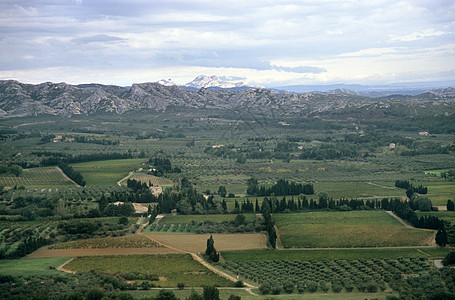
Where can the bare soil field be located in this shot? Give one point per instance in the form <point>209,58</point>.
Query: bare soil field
<point>98,252</point>
<point>223,242</point>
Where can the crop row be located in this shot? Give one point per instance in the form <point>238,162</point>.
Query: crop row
<point>344,271</point>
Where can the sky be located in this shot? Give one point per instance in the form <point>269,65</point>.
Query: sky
<point>269,43</point>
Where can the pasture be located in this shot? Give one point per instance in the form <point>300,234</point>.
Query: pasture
<point>223,242</point>
<point>44,177</point>
<point>169,268</point>
<point>107,172</point>
<point>31,266</point>
<point>346,230</point>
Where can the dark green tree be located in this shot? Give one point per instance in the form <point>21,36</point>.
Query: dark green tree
<point>211,293</point>
<point>222,191</point>
<point>194,296</point>
<point>211,251</point>
<point>450,205</point>
<point>166,295</point>
<point>94,294</point>
<point>449,259</point>
<point>441,237</point>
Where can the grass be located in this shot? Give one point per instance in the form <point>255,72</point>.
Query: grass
<point>346,229</point>
<point>47,177</point>
<point>31,266</point>
<point>171,268</point>
<point>107,172</point>
<point>331,254</point>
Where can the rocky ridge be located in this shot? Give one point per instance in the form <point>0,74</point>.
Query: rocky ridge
<point>20,100</point>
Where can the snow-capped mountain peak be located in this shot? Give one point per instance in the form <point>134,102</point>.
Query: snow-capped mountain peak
<point>203,81</point>
<point>166,82</point>
<point>213,81</point>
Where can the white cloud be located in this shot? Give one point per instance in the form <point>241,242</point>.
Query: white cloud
<point>311,40</point>
<point>417,35</point>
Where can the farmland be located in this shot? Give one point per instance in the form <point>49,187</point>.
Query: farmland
<point>45,177</point>
<point>107,173</point>
<point>31,266</point>
<point>151,180</point>
<point>129,241</point>
<point>333,245</point>
<point>164,270</point>
<point>347,229</point>
<point>223,242</point>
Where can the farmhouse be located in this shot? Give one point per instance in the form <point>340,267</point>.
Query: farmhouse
<point>156,190</point>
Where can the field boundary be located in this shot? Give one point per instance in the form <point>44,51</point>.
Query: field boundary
<point>66,177</point>
<point>62,267</point>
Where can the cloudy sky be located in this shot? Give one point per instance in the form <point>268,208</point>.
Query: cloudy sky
<point>270,43</point>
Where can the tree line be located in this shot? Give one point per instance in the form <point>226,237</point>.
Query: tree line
<point>281,188</point>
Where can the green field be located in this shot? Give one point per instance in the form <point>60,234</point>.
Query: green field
<point>171,268</point>
<point>31,266</point>
<point>177,219</point>
<point>346,229</point>
<point>42,177</point>
<point>334,254</point>
<point>338,190</point>
<point>107,172</point>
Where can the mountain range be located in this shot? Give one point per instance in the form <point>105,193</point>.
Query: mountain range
<point>20,99</point>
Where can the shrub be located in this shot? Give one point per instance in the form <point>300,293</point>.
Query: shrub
<point>265,288</point>
<point>336,288</point>
<point>276,289</point>
<point>312,286</point>
<point>288,287</point>
<point>239,284</point>
<point>324,287</point>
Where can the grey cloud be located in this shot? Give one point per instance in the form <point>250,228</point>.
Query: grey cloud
<point>100,38</point>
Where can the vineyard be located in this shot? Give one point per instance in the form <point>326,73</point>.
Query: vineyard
<point>159,270</point>
<point>129,241</point>
<point>309,276</point>
<point>347,229</point>
<point>151,180</point>
<point>75,194</point>
<point>107,172</point>
<point>46,177</point>
<point>21,238</point>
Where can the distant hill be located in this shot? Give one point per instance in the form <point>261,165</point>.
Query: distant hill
<point>20,100</point>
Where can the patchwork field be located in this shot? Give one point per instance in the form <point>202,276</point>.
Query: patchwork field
<point>37,177</point>
<point>170,269</point>
<point>347,229</point>
<point>107,172</point>
<point>223,242</point>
